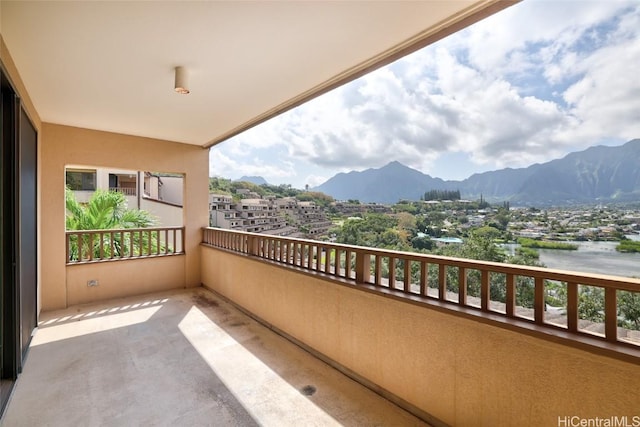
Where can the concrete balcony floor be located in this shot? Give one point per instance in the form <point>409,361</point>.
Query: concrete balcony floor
<point>183,358</point>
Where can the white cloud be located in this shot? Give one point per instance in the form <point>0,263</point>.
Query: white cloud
<point>495,44</point>
<point>223,165</point>
<point>315,180</point>
<point>526,85</point>
<point>607,97</point>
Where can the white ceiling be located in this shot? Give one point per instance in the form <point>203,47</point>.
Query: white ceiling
<point>109,65</point>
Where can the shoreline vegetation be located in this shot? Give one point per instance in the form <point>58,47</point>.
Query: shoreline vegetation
<point>628,246</point>
<point>543,244</point>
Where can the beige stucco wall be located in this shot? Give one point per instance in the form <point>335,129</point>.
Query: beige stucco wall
<point>64,145</point>
<point>16,80</point>
<point>124,278</point>
<point>172,188</point>
<point>458,370</point>
<point>167,215</point>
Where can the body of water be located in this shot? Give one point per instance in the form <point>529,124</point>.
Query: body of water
<point>591,257</point>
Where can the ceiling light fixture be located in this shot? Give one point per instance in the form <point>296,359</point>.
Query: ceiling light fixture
<point>181,81</point>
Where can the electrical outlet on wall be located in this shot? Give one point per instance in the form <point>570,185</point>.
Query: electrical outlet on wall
<point>93,282</point>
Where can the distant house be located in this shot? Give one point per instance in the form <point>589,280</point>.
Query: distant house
<point>284,217</point>
<point>447,240</point>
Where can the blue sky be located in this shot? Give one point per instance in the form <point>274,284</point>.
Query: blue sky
<point>530,84</point>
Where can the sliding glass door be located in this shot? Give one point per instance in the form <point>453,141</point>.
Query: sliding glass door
<point>18,240</point>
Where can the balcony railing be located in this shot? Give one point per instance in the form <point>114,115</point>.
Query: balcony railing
<point>127,191</point>
<point>511,292</point>
<point>83,246</point>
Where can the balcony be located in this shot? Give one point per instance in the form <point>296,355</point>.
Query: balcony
<point>127,191</point>
<point>184,357</point>
<point>450,357</point>
<point>440,351</point>
<point>234,350</point>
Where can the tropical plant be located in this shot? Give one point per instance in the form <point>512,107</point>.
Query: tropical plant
<point>107,210</point>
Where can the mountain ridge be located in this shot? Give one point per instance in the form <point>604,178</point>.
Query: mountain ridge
<point>596,174</point>
<point>258,180</point>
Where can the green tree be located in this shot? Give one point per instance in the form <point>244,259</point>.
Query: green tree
<point>373,230</point>
<point>107,210</point>
<point>422,243</point>
<point>219,185</point>
<point>320,199</point>
<point>488,232</point>
<point>591,303</point>
<point>501,220</point>
<point>629,309</point>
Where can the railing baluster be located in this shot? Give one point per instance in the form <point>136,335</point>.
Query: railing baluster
<point>407,275</point>
<point>327,260</point>
<point>90,235</point>
<point>424,277</point>
<point>102,245</point>
<point>485,293</point>
<point>510,300</point>
<point>572,306</point>
<point>288,251</point>
<point>295,256</point>
<point>442,282</point>
<point>378,270</point>
<point>166,241</point>
<point>111,244</point>
<point>175,241</point>
<point>363,267</point>
<point>610,315</point>
<point>301,255</point>
<point>462,286</point>
<point>347,264</point>
<point>67,247</point>
<point>318,258</point>
<point>392,273</point>
<point>538,301</point>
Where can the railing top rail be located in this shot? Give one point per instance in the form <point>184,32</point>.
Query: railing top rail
<point>603,280</point>
<point>108,230</point>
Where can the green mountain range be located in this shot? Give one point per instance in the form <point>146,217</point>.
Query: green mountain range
<point>596,175</point>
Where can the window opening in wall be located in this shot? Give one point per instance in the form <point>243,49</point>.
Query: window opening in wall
<point>156,195</point>
<point>81,180</point>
